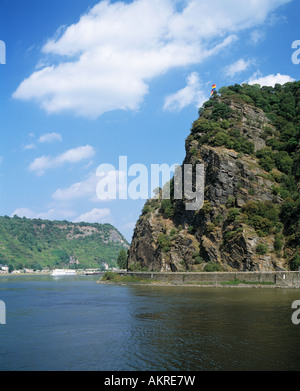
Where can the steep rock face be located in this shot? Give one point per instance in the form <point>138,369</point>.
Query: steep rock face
<point>220,233</point>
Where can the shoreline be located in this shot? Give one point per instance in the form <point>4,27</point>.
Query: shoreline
<point>165,284</point>
<point>280,279</point>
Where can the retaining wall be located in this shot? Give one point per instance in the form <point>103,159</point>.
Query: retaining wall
<point>282,278</point>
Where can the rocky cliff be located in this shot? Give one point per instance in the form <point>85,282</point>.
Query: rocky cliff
<point>240,225</point>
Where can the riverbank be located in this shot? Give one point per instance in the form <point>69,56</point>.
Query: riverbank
<point>49,273</point>
<point>282,279</point>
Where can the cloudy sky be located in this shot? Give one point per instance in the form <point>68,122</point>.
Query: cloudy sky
<point>87,82</point>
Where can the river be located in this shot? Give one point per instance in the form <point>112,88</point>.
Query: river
<point>75,324</point>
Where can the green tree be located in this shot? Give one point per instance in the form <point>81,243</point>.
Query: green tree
<point>122,259</point>
<point>10,268</point>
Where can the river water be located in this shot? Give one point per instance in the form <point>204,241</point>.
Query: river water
<point>75,324</point>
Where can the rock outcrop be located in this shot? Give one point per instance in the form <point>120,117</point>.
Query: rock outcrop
<point>223,234</point>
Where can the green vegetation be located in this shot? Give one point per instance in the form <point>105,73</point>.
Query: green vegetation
<point>164,242</point>
<point>295,263</point>
<point>127,279</point>
<point>212,267</point>
<point>122,259</point>
<point>278,243</point>
<point>217,128</point>
<point>220,126</point>
<point>263,216</point>
<point>118,279</point>
<point>262,249</point>
<point>38,244</point>
<point>167,208</point>
<point>206,208</point>
<point>238,282</point>
<point>197,258</point>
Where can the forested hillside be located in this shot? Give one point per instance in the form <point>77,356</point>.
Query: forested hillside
<point>41,244</point>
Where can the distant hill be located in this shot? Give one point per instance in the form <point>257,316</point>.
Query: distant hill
<point>36,243</point>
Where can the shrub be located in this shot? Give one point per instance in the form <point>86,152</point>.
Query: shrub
<point>198,260</point>
<point>262,249</point>
<point>164,242</point>
<point>278,243</point>
<point>191,229</point>
<point>233,213</point>
<point>230,203</point>
<point>212,267</point>
<point>108,276</point>
<point>221,110</point>
<point>206,207</point>
<point>261,215</point>
<point>218,219</point>
<point>266,159</point>
<point>283,162</point>
<point>167,208</point>
<point>210,227</point>
<point>173,232</point>
<point>295,263</point>
<point>146,209</point>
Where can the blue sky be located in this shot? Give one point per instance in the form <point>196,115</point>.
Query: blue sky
<point>87,81</point>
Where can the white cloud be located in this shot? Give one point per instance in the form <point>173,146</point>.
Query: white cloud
<point>83,189</point>
<point>94,216</point>
<point>29,146</point>
<point>41,164</point>
<point>237,67</point>
<point>87,188</point>
<point>50,138</point>
<point>270,80</point>
<point>117,48</point>
<point>190,94</point>
<point>257,36</point>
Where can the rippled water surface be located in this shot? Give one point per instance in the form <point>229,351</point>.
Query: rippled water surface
<point>75,324</point>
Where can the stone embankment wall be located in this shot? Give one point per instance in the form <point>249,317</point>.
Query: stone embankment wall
<point>280,279</point>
